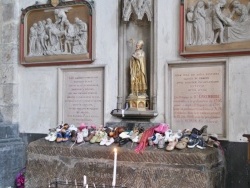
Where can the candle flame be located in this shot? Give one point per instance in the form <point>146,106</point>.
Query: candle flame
<point>115,150</point>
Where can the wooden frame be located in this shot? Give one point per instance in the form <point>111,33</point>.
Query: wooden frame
<point>72,49</point>
<point>229,47</point>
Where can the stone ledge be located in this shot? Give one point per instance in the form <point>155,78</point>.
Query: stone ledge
<point>154,168</point>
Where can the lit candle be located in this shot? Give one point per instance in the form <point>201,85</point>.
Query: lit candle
<point>114,171</point>
<point>75,183</point>
<point>84,180</point>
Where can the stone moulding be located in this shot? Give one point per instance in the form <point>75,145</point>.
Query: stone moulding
<point>59,35</point>
<point>138,8</point>
<point>204,34</point>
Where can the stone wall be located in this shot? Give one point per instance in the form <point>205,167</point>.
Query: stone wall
<point>12,157</point>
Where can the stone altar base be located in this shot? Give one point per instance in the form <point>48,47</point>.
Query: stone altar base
<point>155,168</point>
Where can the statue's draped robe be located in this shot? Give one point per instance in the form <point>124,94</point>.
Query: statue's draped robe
<point>138,73</point>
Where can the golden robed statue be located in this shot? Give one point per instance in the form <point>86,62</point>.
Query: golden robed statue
<point>138,70</point>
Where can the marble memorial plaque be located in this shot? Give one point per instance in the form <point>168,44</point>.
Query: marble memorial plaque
<point>198,97</point>
<point>81,97</point>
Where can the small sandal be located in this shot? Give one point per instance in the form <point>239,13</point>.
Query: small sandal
<point>210,142</point>
<point>172,145</point>
<point>91,135</point>
<point>182,143</point>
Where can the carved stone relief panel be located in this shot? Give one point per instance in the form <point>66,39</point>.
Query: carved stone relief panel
<point>218,26</point>
<point>57,34</point>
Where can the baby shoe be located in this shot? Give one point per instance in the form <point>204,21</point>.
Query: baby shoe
<point>150,141</point>
<point>66,136</point>
<point>157,137</point>
<point>124,135</point>
<point>89,137</point>
<point>104,140</point>
<point>72,128</point>
<point>110,141</point>
<point>171,145</point>
<point>59,137</point>
<point>182,143</point>
<point>162,128</point>
<point>99,136</point>
<point>52,136</point>
<point>49,134</point>
<point>161,143</point>
<point>167,134</point>
<point>79,137</point>
<point>73,135</point>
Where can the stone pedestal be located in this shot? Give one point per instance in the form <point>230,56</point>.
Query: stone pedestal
<point>154,168</point>
<point>138,102</point>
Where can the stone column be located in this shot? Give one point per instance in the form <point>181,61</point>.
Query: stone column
<point>11,146</point>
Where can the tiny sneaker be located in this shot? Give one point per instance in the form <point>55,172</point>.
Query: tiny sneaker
<point>52,136</point>
<point>161,143</point>
<point>79,137</point>
<point>193,140</point>
<point>201,144</point>
<point>72,128</point>
<point>110,141</point>
<point>85,133</point>
<point>104,141</point>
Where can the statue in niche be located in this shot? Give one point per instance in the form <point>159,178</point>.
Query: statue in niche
<point>60,37</point>
<point>138,71</point>
<point>199,23</point>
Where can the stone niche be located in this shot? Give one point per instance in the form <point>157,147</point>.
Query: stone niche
<point>154,168</point>
<point>136,23</point>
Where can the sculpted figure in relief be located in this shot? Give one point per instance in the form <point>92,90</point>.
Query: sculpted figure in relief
<point>54,40</point>
<point>41,36</point>
<point>219,20</point>
<point>80,45</point>
<point>32,39</point>
<point>69,36</point>
<point>199,23</point>
<point>190,26</point>
<point>60,17</point>
<point>138,70</point>
<point>209,34</point>
<point>240,27</point>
